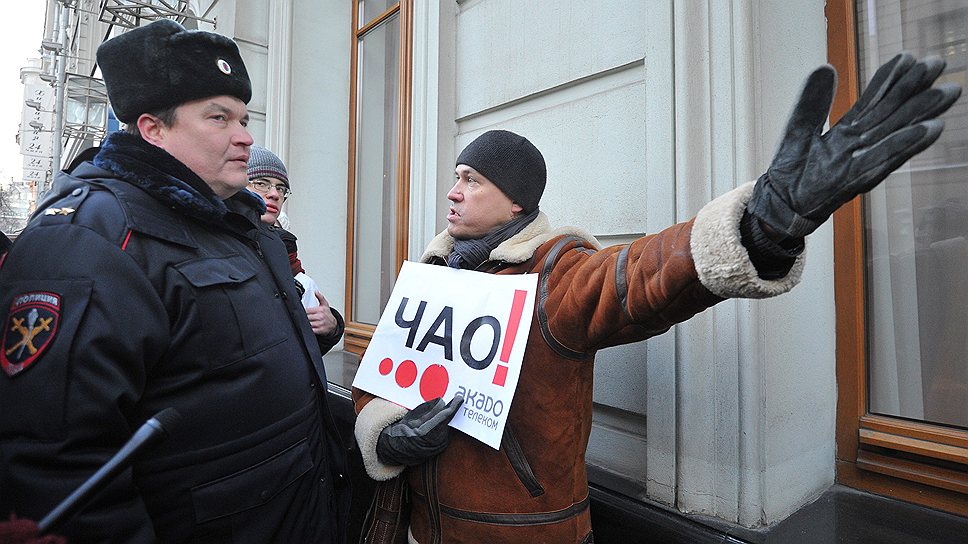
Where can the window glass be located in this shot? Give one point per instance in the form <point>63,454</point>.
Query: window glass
<point>372,9</point>
<point>916,228</point>
<point>378,112</point>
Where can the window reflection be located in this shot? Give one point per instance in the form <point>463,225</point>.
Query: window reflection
<point>375,228</point>
<point>917,232</point>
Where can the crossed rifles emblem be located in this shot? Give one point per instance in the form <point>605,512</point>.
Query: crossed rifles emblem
<point>35,325</point>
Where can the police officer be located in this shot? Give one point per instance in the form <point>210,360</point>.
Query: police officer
<point>147,282</point>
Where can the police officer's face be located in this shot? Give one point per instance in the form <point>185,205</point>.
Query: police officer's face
<point>210,137</point>
<point>478,206</point>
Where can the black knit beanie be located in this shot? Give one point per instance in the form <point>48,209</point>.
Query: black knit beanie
<point>511,162</point>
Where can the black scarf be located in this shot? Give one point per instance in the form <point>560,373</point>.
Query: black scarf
<point>166,178</point>
<point>469,254</point>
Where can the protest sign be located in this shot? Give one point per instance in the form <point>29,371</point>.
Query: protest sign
<point>445,332</point>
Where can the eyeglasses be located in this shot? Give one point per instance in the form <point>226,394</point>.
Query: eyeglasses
<point>263,187</point>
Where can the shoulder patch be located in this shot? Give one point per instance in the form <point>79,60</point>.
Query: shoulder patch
<point>29,329</point>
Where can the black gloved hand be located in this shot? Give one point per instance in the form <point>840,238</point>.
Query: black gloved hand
<point>421,434</point>
<point>813,174</point>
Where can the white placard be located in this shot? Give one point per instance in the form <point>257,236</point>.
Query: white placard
<point>446,331</point>
<point>42,95</point>
<point>35,175</point>
<point>36,143</point>
<point>37,163</point>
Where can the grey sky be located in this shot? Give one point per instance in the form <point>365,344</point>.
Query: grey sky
<point>20,40</point>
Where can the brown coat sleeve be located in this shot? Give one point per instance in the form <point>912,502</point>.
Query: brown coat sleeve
<point>591,300</point>
<point>373,414</point>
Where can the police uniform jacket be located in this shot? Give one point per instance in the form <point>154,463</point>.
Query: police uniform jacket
<point>534,489</point>
<point>134,290</point>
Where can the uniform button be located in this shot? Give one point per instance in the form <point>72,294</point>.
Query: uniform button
<point>264,495</point>
<point>276,294</point>
<point>234,277</point>
<point>77,192</point>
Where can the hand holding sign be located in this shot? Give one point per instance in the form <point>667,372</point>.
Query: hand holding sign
<point>446,333</point>
<point>421,434</point>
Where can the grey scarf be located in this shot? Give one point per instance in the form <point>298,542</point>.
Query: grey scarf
<point>469,254</point>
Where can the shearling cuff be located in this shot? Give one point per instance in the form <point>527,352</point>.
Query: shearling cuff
<point>372,419</point>
<point>722,261</point>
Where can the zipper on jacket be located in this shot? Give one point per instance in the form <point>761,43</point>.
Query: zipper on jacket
<point>492,267</point>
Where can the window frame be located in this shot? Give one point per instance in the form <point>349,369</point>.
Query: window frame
<point>357,335</point>
<point>917,462</point>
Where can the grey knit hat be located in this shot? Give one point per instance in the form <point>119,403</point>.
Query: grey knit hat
<point>265,164</point>
<point>511,162</point>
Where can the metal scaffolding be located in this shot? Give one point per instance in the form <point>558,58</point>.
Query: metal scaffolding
<point>131,13</point>
<point>86,110</point>
<point>79,109</point>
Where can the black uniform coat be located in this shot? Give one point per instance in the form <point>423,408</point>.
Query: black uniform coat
<point>135,290</point>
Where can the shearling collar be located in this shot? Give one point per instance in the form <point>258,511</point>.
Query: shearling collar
<point>516,249</point>
<point>167,179</point>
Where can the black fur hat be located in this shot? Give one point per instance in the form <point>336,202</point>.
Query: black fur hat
<point>511,162</point>
<point>160,65</point>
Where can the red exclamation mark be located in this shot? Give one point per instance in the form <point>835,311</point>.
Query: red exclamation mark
<point>517,308</point>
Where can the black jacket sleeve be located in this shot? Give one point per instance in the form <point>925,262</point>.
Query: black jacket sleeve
<point>69,409</point>
<point>327,342</point>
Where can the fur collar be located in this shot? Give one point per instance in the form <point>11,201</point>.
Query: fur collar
<point>166,178</point>
<point>516,249</point>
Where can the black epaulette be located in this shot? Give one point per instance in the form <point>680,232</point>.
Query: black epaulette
<point>62,211</point>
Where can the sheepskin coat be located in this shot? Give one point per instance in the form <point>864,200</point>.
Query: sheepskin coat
<point>534,489</point>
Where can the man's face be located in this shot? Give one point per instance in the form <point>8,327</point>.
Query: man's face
<point>478,206</point>
<point>209,136</point>
<point>271,190</point>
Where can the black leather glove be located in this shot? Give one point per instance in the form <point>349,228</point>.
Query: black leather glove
<point>813,174</point>
<point>421,434</point>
